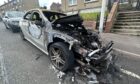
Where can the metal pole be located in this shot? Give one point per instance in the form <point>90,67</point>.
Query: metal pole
<point>103,9</point>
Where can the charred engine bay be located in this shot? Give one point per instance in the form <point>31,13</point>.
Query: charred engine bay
<point>94,59</point>
<point>72,26</point>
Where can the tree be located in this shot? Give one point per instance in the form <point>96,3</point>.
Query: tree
<point>45,7</point>
<point>130,2</point>
<point>56,7</point>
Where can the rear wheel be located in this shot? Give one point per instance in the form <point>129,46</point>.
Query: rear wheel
<point>14,30</point>
<point>61,57</point>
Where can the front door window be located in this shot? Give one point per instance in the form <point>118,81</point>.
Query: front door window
<point>34,29</point>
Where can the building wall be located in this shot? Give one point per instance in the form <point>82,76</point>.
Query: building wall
<point>21,5</point>
<point>92,6</point>
<point>30,4</point>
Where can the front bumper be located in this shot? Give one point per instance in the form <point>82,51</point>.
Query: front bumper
<point>15,26</point>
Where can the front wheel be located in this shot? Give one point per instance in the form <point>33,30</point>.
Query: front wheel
<point>61,57</point>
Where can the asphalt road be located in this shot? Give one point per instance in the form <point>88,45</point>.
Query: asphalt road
<point>19,65</point>
<point>20,61</point>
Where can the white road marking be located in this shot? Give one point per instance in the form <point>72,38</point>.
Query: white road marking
<point>130,73</point>
<point>3,69</point>
<point>126,71</point>
<point>126,52</point>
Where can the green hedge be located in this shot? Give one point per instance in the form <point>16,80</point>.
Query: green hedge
<point>90,16</point>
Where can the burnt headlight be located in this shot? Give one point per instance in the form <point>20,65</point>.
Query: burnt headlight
<point>95,45</point>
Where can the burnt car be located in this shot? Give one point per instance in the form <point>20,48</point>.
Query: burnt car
<point>67,42</point>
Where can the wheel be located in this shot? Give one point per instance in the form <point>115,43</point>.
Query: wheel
<point>22,35</point>
<point>14,30</point>
<point>61,57</point>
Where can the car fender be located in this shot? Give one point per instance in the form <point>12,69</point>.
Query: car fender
<point>63,37</point>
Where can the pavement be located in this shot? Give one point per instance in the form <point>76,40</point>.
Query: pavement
<point>130,44</point>
<point>127,48</point>
<point>18,64</point>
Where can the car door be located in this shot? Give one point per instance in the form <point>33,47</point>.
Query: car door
<point>24,24</point>
<point>36,28</point>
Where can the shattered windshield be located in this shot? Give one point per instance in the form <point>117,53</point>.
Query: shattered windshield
<point>51,16</point>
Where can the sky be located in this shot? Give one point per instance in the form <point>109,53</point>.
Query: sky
<point>41,2</point>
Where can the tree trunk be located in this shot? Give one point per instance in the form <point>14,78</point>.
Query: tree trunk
<point>130,2</point>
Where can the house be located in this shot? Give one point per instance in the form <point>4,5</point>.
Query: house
<point>124,18</point>
<point>72,6</point>
<point>122,14</point>
<point>86,6</point>
<point>21,5</point>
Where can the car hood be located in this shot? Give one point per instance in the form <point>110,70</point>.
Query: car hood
<point>73,19</point>
<point>15,19</point>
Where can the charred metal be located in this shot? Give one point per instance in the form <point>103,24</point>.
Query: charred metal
<point>72,26</point>
<point>91,56</point>
<point>71,47</point>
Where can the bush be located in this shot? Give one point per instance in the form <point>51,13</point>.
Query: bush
<point>90,16</point>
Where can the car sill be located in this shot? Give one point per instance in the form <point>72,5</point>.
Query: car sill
<point>37,46</point>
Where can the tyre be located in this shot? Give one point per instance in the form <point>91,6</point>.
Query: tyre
<point>14,30</point>
<point>61,57</point>
<point>22,35</point>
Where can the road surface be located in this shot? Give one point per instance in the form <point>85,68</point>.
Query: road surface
<point>18,64</point>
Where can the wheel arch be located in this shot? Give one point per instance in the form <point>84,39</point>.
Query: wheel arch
<point>56,39</point>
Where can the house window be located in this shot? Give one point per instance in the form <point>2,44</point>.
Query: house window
<point>123,1</point>
<point>72,2</point>
<point>14,2</point>
<point>89,1</point>
<point>17,0</point>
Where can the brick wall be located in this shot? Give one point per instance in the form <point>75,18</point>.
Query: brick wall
<point>90,24</point>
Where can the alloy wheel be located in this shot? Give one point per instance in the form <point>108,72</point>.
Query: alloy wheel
<point>57,57</point>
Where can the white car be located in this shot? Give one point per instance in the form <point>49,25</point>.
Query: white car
<point>11,20</point>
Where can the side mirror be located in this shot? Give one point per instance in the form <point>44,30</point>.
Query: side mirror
<point>7,17</point>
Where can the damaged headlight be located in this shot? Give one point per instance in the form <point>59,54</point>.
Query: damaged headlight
<point>95,45</point>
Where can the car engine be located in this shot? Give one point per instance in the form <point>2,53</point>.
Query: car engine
<point>75,29</point>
